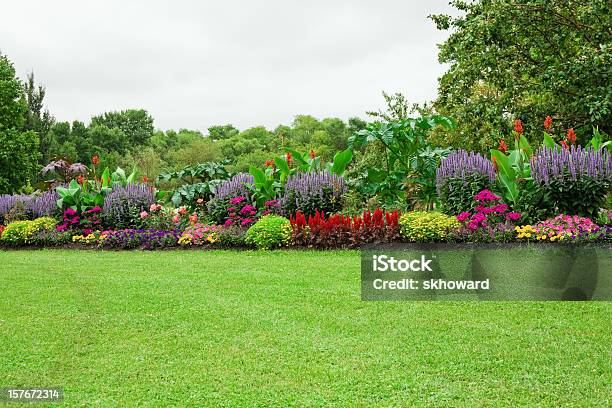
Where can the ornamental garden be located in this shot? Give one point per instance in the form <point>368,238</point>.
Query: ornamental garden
<point>554,190</point>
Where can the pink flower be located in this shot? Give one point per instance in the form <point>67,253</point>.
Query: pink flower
<point>193,218</point>
<point>500,208</point>
<point>463,216</point>
<point>486,195</point>
<point>246,221</point>
<point>237,200</point>
<point>228,223</point>
<point>232,214</point>
<point>176,219</point>
<point>182,210</point>
<point>153,207</point>
<point>144,215</point>
<point>513,216</point>
<point>200,201</point>
<point>231,209</point>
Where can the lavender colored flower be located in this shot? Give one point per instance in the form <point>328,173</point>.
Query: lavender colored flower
<point>311,192</point>
<point>9,201</point>
<point>461,165</point>
<point>139,238</point>
<point>123,205</point>
<point>460,176</point>
<point>44,205</point>
<point>576,162</point>
<point>234,187</point>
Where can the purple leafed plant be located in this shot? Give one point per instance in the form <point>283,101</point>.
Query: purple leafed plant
<point>575,162</point>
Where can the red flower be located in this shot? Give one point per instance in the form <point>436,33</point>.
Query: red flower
<point>547,122</point>
<point>571,136</point>
<point>95,160</point>
<point>502,146</point>
<point>518,126</point>
<point>312,154</point>
<point>564,144</point>
<point>145,179</point>
<point>269,163</point>
<point>495,163</point>
<point>289,157</point>
<point>80,179</point>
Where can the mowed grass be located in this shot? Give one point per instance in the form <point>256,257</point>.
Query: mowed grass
<point>286,328</point>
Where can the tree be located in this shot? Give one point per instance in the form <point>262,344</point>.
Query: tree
<point>38,120</point>
<point>397,108</point>
<point>220,132</point>
<point>18,148</point>
<point>135,124</point>
<point>525,60</point>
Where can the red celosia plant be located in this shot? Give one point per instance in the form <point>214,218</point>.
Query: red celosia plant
<point>341,230</point>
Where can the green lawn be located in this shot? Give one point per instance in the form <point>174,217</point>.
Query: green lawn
<point>223,328</point>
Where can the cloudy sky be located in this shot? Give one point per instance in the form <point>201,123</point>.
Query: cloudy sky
<point>192,64</point>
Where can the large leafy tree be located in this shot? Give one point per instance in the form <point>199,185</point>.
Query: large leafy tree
<point>18,148</point>
<point>135,124</point>
<point>525,59</point>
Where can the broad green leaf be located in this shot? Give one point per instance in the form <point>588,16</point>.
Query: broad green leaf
<point>548,141</point>
<point>341,160</point>
<point>503,164</point>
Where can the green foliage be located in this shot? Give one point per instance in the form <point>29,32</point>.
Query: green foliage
<point>584,196</point>
<point>410,161</point>
<point>426,226</point>
<point>38,120</point>
<point>78,197</point>
<point>18,148</point>
<point>271,231</point>
<point>457,195</point>
<point>196,182</point>
<point>20,232</point>
<point>135,124</point>
<point>524,60</point>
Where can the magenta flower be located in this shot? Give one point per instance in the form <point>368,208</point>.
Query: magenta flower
<point>463,216</point>
<point>513,216</point>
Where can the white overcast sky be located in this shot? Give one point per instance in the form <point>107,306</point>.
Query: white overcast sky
<point>192,64</point>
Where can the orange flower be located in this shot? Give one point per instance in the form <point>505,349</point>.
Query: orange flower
<point>95,160</point>
<point>502,146</point>
<point>571,136</point>
<point>145,179</point>
<point>312,154</point>
<point>564,144</point>
<point>495,163</point>
<point>547,122</point>
<point>518,126</point>
<point>80,179</point>
<point>269,163</point>
<point>289,157</point>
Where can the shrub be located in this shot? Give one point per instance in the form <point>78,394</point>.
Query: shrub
<point>122,207</point>
<point>490,221</point>
<point>232,236</point>
<point>575,179</point>
<point>234,187</point>
<point>337,231</point>
<point>460,177</point>
<point>426,226</point>
<point>312,192</point>
<point>20,232</point>
<point>271,231</point>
